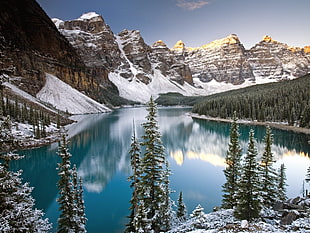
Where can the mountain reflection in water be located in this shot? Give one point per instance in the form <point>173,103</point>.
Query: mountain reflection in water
<point>99,145</point>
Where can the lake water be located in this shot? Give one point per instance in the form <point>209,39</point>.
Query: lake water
<point>196,150</point>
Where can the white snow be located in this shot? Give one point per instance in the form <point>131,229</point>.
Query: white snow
<point>223,221</point>
<point>57,22</point>
<point>65,98</point>
<point>138,91</point>
<point>88,15</point>
<point>25,95</point>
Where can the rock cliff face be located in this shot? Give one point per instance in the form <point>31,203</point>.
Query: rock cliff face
<point>125,53</point>
<point>270,58</point>
<point>31,45</point>
<point>87,55</point>
<point>225,61</point>
<point>93,40</point>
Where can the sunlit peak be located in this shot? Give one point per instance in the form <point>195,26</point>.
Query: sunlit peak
<point>231,39</point>
<point>179,46</point>
<point>268,39</point>
<point>307,49</point>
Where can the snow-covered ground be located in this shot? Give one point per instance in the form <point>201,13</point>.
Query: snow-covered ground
<point>224,222</point>
<point>25,95</point>
<point>160,84</point>
<point>65,98</point>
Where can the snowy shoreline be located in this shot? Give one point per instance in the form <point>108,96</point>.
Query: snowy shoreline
<point>277,125</point>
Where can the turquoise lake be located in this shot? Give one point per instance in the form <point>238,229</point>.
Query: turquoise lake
<point>196,149</point>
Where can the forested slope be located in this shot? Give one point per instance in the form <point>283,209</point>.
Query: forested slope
<point>286,101</point>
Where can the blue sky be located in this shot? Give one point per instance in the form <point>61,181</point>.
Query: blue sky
<point>196,22</point>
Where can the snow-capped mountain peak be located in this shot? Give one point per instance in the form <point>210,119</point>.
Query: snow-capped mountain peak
<point>88,16</point>
<point>211,68</point>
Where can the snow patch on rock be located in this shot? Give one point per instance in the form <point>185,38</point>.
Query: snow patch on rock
<point>65,98</point>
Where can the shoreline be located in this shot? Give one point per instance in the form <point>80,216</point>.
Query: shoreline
<point>276,125</point>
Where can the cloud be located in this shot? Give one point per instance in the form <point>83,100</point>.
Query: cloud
<point>191,5</point>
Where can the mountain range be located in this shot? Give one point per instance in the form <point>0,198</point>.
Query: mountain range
<point>114,68</point>
<point>140,70</point>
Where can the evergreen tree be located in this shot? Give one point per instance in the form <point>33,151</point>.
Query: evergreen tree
<point>17,213</point>
<point>6,136</point>
<point>168,215</point>
<point>268,175</point>
<point>152,191</point>
<point>181,210</point>
<point>233,168</point>
<point>79,209</point>
<point>66,221</point>
<point>282,183</point>
<point>308,175</point>
<point>248,205</point>
<point>135,154</point>
<point>81,205</point>
<point>198,215</point>
<point>1,96</point>
<point>197,212</point>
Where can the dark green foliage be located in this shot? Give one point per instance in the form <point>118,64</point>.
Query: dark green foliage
<point>268,173</point>
<point>153,212</point>
<point>6,137</point>
<point>181,209</point>
<point>171,99</point>
<point>282,183</point>
<point>233,167</point>
<point>286,101</point>
<point>71,204</point>
<point>65,199</point>
<point>135,154</point>
<point>248,196</point>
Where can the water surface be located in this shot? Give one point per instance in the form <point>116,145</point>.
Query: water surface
<point>196,150</point>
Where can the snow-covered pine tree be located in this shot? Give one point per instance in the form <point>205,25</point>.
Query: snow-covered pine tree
<point>135,154</point>
<point>152,192</point>
<point>198,216</point>
<point>308,175</point>
<point>1,96</point>
<point>66,221</point>
<point>181,209</point>
<point>248,195</point>
<point>6,137</point>
<point>168,215</point>
<point>233,168</point>
<point>17,212</point>
<point>268,174</point>
<point>78,202</point>
<point>282,184</point>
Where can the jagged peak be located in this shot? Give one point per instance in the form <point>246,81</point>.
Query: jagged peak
<point>89,15</point>
<point>57,22</point>
<point>179,46</point>
<point>307,49</point>
<point>159,43</point>
<point>230,39</point>
<point>267,38</point>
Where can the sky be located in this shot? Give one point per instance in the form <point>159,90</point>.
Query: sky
<point>196,22</point>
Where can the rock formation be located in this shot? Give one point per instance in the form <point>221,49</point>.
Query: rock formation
<point>272,59</point>
<point>223,60</point>
<point>31,45</point>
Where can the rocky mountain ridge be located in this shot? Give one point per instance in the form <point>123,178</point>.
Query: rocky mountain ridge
<point>190,71</point>
<point>31,46</point>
